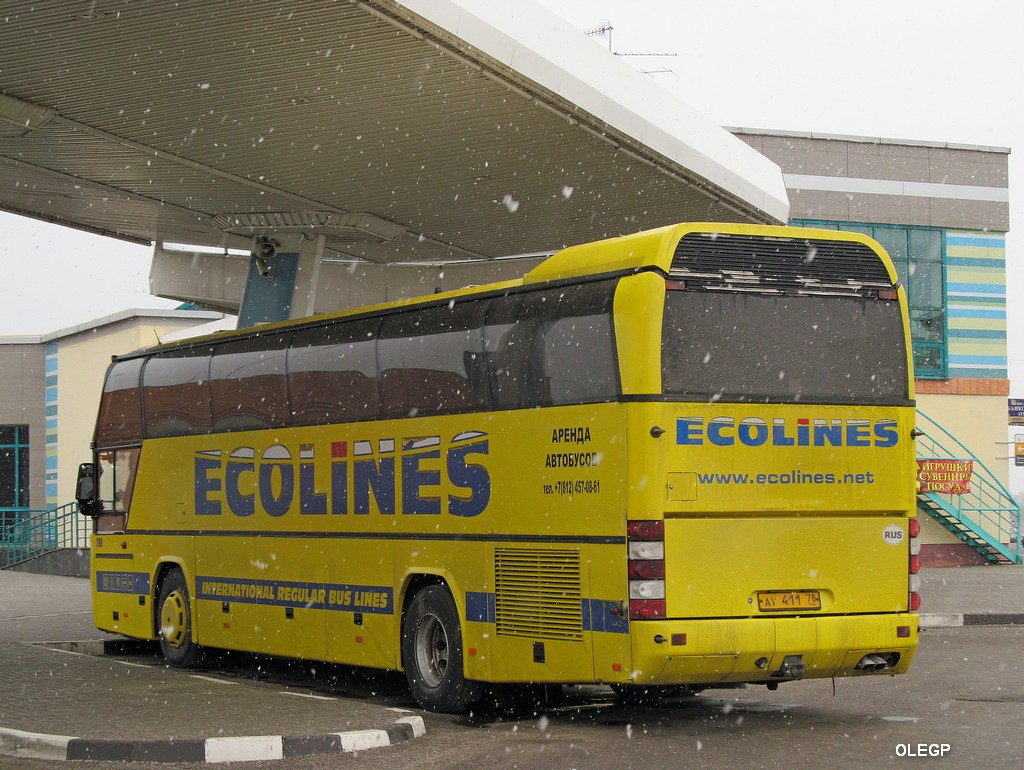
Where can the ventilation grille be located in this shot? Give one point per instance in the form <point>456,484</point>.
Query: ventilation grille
<point>778,265</point>
<point>538,593</point>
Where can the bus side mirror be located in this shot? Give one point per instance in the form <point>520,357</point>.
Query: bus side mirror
<point>85,490</point>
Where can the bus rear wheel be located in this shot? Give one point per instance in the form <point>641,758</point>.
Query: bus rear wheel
<point>175,618</point>
<point>432,653</point>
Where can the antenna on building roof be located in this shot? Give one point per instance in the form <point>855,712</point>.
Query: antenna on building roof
<point>603,30</point>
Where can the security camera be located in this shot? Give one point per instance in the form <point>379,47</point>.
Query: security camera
<point>264,249</point>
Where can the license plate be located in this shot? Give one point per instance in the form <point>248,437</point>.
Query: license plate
<point>788,601</point>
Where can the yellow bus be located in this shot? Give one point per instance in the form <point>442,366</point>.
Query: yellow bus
<point>677,458</point>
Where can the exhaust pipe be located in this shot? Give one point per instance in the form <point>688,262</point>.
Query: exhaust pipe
<point>792,668</point>
<point>878,661</point>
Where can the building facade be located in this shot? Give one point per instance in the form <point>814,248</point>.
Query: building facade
<point>940,210</point>
<point>942,213</point>
<point>49,396</point>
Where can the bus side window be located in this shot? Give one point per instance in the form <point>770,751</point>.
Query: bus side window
<point>552,347</point>
<point>578,349</point>
<point>508,340</point>
<point>579,362</point>
<point>117,469</point>
<point>120,417</point>
<point>176,393</point>
<point>432,361</point>
<point>248,385</point>
<point>332,373</point>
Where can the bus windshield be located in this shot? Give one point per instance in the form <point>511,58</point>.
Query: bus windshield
<point>734,346</point>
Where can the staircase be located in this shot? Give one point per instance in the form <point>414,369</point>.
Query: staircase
<point>40,532</point>
<point>987,518</point>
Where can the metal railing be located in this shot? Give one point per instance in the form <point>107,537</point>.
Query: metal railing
<point>35,532</point>
<point>988,509</point>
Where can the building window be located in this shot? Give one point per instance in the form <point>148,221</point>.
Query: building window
<point>919,256</point>
<point>13,476</point>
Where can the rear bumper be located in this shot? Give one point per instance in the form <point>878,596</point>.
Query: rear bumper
<point>667,652</point>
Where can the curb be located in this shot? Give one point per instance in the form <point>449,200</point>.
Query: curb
<point>956,619</point>
<point>242,749</point>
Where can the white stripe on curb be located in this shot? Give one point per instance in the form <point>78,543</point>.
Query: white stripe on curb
<point>361,740</point>
<point>244,749</point>
<point>416,723</point>
<point>18,743</point>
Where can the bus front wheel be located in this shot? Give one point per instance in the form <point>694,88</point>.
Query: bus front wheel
<point>175,618</point>
<point>432,653</point>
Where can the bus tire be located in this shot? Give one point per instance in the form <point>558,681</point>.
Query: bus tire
<point>174,616</point>
<point>432,653</point>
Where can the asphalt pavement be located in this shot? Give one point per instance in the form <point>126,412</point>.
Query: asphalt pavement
<point>64,700</point>
<point>62,697</point>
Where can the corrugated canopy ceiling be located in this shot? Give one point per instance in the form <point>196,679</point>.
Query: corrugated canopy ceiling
<point>414,131</point>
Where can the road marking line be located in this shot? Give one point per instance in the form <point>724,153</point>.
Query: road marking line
<point>306,695</point>
<point>212,679</point>
<point>68,652</point>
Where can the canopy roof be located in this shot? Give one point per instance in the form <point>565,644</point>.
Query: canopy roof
<point>422,130</point>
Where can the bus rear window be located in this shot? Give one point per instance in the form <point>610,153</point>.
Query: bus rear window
<point>776,348</point>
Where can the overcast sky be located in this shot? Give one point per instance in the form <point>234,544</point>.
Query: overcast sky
<point>931,70</point>
<point>908,69</point>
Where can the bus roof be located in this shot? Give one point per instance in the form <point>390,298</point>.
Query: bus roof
<point>647,250</point>
<point>656,249</point>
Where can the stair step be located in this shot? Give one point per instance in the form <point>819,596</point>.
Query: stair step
<point>970,537</point>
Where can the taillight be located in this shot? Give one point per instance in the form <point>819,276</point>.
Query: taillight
<point>646,530</point>
<point>646,609</point>
<point>646,570</point>
<point>914,564</point>
<point>646,546</point>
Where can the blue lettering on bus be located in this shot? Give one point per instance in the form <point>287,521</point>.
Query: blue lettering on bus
<point>240,504</point>
<point>339,487</point>
<point>828,434</point>
<point>415,478</point>
<point>753,432</point>
<point>397,478</point>
<point>471,476</point>
<point>378,479</point>
<point>886,434</point>
<point>276,494</point>
<point>857,434</point>
<point>721,432</point>
<point>690,431</point>
<point>312,595</point>
<point>205,485</point>
<point>786,432</point>
<point>310,500</point>
<point>779,437</point>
